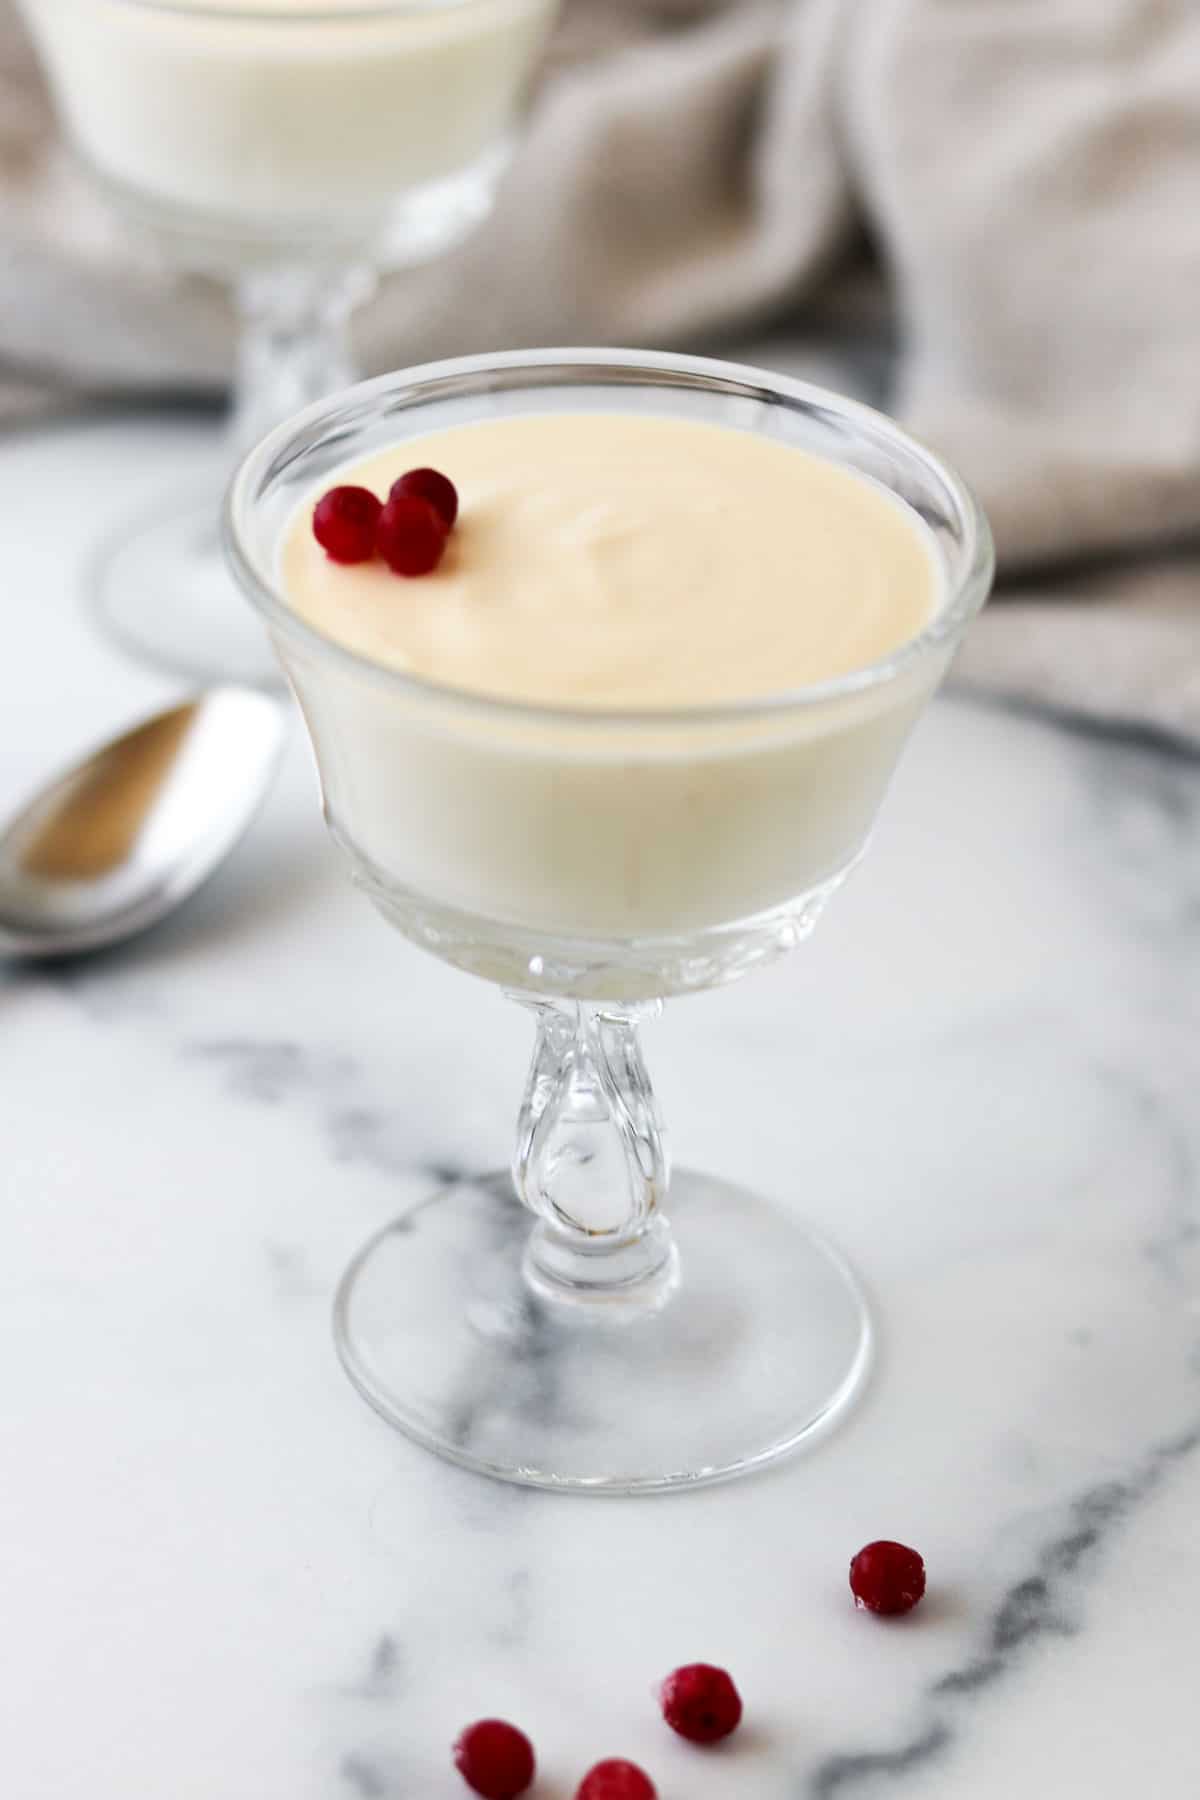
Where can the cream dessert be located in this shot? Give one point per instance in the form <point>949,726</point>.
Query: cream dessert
<point>624,560</point>
<point>640,587</point>
<point>278,110</point>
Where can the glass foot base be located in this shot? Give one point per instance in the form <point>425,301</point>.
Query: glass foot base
<point>763,1339</point>
<point>160,590</point>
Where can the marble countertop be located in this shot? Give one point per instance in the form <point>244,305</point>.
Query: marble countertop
<point>224,1578</point>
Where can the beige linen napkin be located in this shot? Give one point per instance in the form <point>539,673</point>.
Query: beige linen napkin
<point>984,212</point>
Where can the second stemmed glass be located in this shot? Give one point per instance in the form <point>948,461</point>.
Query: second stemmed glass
<point>290,147</point>
<point>593,863</point>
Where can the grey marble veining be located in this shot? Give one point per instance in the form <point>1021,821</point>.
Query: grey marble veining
<point>225,1579</point>
<point>1037,1607</point>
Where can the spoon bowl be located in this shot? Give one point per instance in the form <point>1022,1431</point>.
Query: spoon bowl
<point>114,844</point>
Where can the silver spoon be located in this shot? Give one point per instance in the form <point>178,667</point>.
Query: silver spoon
<point>118,841</point>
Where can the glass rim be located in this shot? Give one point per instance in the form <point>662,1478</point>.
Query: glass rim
<point>319,12</point>
<point>964,597</point>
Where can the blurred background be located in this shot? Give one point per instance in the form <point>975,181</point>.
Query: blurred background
<point>985,218</point>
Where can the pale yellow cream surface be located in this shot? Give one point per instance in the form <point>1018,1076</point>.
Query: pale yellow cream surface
<point>627,560</point>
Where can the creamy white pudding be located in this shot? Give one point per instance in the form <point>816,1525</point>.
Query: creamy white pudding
<point>636,592</point>
<point>285,110</point>
<point>624,560</point>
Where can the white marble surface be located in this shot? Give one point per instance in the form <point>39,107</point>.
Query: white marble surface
<point>224,1579</point>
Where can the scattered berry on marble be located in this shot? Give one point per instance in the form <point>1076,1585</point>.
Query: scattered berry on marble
<point>431,485</point>
<point>700,1703</point>
<point>616,1780</point>
<point>495,1759</point>
<point>887,1578</point>
<point>411,537</point>
<point>345,521</point>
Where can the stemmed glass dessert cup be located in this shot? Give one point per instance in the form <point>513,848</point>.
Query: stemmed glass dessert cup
<point>641,1330</point>
<point>289,148</point>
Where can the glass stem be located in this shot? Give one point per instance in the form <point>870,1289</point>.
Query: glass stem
<point>293,344</point>
<point>591,1161</point>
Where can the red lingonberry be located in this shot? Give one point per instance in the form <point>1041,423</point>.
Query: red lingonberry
<point>495,1759</point>
<point>616,1780</point>
<point>701,1703</point>
<point>344,523</point>
<point>431,485</point>
<point>887,1578</point>
<point>411,536</point>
